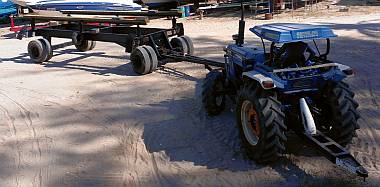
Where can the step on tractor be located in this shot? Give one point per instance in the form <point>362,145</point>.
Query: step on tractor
<point>291,86</point>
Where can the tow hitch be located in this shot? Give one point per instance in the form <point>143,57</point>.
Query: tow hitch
<point>331,149</point>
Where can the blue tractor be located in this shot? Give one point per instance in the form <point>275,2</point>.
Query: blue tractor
<point>289,85</point>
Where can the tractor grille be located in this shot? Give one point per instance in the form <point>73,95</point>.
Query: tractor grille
<point>303,83</point>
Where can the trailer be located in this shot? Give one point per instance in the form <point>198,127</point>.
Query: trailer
<point>149,47</point>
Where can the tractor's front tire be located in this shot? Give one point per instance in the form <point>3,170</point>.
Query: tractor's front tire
<point>212,97</point>
<point>261,123</point>
<point>339,113</point>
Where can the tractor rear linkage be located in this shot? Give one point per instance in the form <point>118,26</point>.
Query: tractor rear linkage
<point>123,32</point>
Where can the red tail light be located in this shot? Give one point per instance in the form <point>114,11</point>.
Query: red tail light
<point>268,84</point>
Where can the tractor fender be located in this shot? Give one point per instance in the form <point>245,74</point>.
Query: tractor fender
<point>344,69</point>
<point>260,78</point>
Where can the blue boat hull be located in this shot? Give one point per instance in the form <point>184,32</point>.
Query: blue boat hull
<point>86,6</point>
<point>7,9</point>
<point>105,5</point>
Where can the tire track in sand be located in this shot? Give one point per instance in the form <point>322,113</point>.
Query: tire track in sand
<point>364,147</point>
<point>371,92</point>
<point>26,115</point>
<point>12,127</point>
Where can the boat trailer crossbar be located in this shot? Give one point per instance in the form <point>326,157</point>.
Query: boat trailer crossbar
<point>150,13</point>
<point>126,36</point>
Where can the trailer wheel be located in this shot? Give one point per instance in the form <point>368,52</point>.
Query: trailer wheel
<point>86,45</point>
<point>212,98</point>
<point>143,59</point>
<point>93,45</point>
<point>37,51</point>
<point>261,123</point>
<point>189,44</point>
<point>153,57</point>
<point>76,38</point>
<point>179,44</point>
<point>339,115</point>
<point>48,47</point>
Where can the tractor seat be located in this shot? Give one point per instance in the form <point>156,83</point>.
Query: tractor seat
<point>293,53</point>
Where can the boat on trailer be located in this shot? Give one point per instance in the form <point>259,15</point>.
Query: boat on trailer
<point>7,8</point>
<point>103,5</point>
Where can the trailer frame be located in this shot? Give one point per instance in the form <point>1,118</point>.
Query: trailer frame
<point>120,27</point>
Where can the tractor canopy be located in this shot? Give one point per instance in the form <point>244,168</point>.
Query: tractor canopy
<point>292,32</point>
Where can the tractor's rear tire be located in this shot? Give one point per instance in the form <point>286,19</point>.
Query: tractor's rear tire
<point>339,114</point>
<point>212,97</point>
<point>86,45</point>
<point>37,51</point>
<point>261,123</point>
<point>183,44</point>
<point>144,60</point>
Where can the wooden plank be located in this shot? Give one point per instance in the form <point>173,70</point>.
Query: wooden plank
<point>117,20</point>
<point>123,13</point>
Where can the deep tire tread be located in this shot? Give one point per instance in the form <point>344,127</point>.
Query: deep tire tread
<point>208,93</point>
<point>344,113</point>
<point>272,141</point>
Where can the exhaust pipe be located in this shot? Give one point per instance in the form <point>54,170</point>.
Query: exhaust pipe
<point>307,118</point>
<point>240,39</point>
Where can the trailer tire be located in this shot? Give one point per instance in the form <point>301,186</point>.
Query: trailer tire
<point>179,44</point>
<point>93,45</point>
<point>37,51</point>
<point>76,38</point>
<point>189,43</point>
<point>213,102</point>
<point>153,57</point>
<point>339,110</point>
<point>141,60</point>
<point>48,48</point>
<point>86,45</point>
<point>261,123</point>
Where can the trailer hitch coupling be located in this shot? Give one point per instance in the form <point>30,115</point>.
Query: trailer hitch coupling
<point>350,164</point>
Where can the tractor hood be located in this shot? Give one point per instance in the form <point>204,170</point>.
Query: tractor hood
<point>292,32</point>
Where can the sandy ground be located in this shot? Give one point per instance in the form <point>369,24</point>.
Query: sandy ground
<point>85,119</point>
